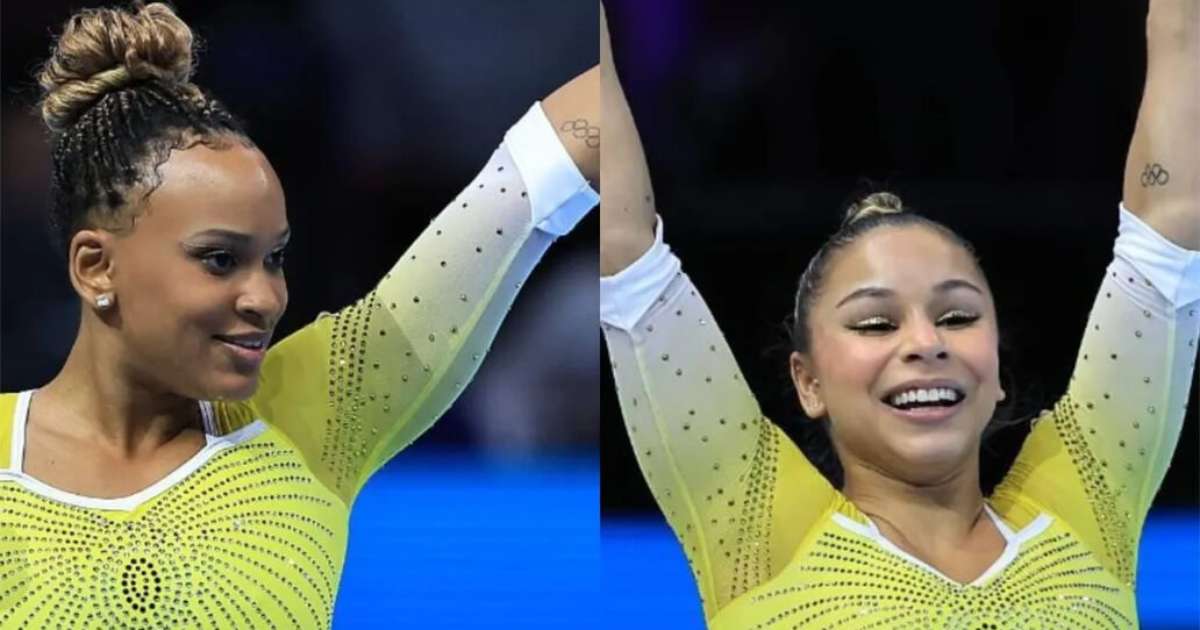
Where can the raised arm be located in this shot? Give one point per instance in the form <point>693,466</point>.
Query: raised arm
<point>627,207</point>
<point>353,388</point>
<point>1162,170</point>
<point>574,112</point>
<point>737,492</point>
<point>1098,458</point>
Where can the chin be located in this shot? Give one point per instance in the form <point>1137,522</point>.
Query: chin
<point>934,454</point>
<point>233,388</point>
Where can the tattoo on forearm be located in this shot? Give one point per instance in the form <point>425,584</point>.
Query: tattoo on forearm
<point>579,128</point>
<point>1155,175</point>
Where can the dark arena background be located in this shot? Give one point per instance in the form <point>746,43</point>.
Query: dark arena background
<point>375,115</point>
<point>1008,121</point>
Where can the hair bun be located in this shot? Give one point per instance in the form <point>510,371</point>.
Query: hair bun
<point>105,50</point>
<point>874,204</point>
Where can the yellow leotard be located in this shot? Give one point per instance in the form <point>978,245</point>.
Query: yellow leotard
<point>251,532</point>
<point>772,544</point>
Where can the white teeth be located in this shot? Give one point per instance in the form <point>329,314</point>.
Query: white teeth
<point>252,345</point>
<point>925,395</point>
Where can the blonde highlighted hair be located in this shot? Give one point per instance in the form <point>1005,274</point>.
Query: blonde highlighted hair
<point>105,50</point>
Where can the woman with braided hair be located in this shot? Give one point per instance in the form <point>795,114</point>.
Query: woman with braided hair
<point>180,471</point>
<point>894,351</point>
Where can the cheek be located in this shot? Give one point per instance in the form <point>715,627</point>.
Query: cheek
<point>979,353</point>
<point>852,363</point>
<point>282,293</point>
<point>173,299</point>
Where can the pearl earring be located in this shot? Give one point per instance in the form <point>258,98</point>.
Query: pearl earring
<point>103,301</point>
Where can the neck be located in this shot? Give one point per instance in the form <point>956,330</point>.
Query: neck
<point>938,515</point>
<point>96,398</point>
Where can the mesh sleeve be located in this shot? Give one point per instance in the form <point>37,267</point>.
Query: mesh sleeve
<point>1098,458</point>
<point>355,387</point>
<point>737,492</point>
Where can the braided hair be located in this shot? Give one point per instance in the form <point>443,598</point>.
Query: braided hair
<point>117,99</point>
<point>880,209</point>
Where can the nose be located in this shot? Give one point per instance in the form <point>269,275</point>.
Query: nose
<point>923,341</point>
<point>263,298</point>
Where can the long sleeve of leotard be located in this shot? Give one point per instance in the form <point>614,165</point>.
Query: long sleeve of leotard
<point>1098,457</point>
<point>355,387</point>
<point>737,492</point>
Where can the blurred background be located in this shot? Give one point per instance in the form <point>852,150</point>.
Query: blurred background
<point>1009,121</point>
<point>375,114</point>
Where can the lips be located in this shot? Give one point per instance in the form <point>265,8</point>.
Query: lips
<point>939,383</point>
<point>250,341</point>
<point>247,348</point>
<point>926,414</point>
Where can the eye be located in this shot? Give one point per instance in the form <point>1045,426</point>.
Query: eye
<point>874,324</point>
<point>958,318</point>
<point>218,262</point>
<point>276,259</point>
<point>878,324</point>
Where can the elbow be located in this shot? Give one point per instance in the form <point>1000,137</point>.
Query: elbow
<point>620,248</point>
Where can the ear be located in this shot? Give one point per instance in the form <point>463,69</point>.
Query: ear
<point>808,386</point>
<point>90,264</point>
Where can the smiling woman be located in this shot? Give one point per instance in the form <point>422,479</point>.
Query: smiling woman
<point>943,287</point>
<point>178,471</point>
<point>895,353</point>
<point>200,273</point>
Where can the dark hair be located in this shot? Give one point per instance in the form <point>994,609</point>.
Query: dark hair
<point>117,99</point>
<point>880,209</point>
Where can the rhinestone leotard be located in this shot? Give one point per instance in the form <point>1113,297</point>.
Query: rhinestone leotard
<point>772,544</point>
<point>251,532</point>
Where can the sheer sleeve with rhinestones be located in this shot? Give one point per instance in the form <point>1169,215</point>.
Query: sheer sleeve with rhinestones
<point>737,492</point>
<point>1098,457</point>
<point>353,388</point>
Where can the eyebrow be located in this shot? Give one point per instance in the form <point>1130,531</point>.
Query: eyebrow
<point>239,237</point>
<point>880,292</point>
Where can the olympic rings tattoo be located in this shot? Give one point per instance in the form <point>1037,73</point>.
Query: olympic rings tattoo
<point>583,131</point>
<point>1155,175</point>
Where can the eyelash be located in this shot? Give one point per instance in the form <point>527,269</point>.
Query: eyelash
<point>208,258</point>
<point>960,318</point>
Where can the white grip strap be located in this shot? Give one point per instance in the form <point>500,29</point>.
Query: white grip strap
<point>627,296</point>
<point>558,193</point>
<point>1172,270</point>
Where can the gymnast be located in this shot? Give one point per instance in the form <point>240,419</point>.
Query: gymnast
<point>894,352</point>
<point>180,471</point>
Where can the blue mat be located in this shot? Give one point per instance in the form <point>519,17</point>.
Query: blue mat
<point>453,541</point>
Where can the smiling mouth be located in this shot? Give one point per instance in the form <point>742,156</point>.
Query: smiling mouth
<point>931,404</point>
<point>248,344</point>
<point>927,411</point>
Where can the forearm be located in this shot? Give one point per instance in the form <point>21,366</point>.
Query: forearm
<point>1162,172</point>
<point>627,215</point>
<point>574,110</point>
<point>1173,23</point>
<point>353,388</point>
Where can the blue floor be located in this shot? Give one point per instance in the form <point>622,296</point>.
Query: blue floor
<point>458,542</point>
<point>452,541</point>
